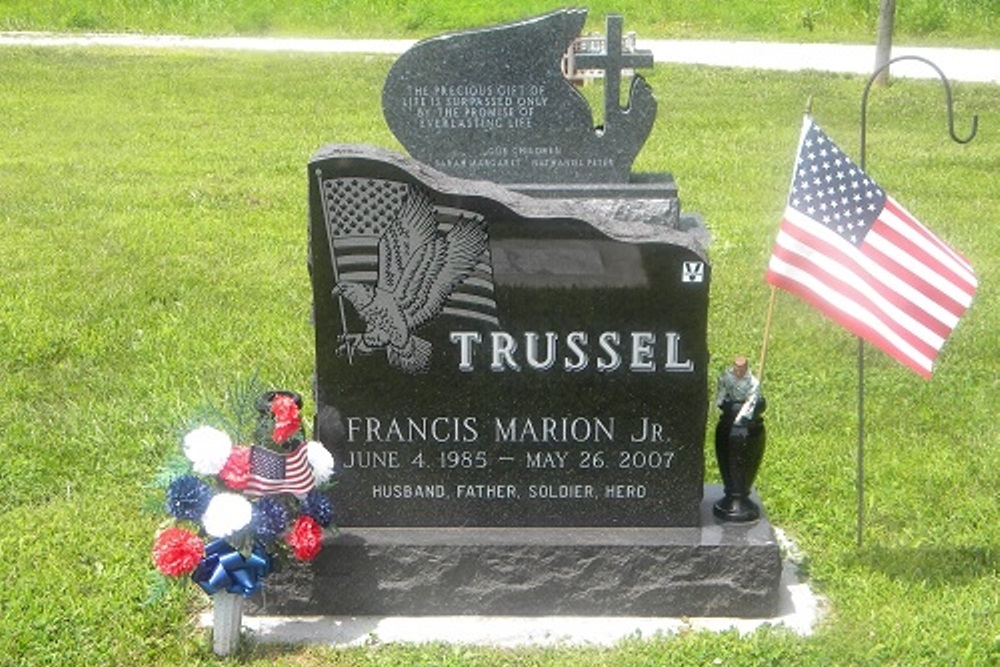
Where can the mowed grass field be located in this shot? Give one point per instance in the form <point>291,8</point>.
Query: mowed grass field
<point>951,22</point>
<point>153,255</point>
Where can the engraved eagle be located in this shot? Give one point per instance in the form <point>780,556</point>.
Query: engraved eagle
<point>419,266</point>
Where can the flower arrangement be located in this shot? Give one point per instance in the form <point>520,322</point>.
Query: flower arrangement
<point>235,508</point>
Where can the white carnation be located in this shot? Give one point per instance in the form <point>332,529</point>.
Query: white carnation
<point>208,449</point>
<point>227,513</point>
<point>320,460</point>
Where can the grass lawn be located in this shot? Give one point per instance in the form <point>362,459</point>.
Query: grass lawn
<point>955,22</point>
<point>153,217</point>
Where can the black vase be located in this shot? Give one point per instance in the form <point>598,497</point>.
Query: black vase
<point>739,450</point>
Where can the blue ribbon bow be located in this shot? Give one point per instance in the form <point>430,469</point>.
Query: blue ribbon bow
<point>225,568</point>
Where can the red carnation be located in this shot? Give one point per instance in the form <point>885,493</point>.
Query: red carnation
<point>236,470</point>
<point>286,418</point>
<point>177,551</point>
<point>305,538</point>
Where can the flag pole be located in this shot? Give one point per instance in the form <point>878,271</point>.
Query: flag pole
<point>774,290</point>
<point>860,474</point>
<point>949,105</point>
<point>767,334</point>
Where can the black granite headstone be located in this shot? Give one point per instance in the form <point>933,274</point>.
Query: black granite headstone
<point>511,371</point>
<point>514,391</point>
<point>490,359</point>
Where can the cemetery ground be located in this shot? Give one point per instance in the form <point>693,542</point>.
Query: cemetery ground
<point>153,212</point>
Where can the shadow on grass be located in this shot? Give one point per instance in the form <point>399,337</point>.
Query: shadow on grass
<point>934,565</point>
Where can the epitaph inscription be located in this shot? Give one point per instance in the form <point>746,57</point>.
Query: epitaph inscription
<point>494,104</point>
<point>487,359</point>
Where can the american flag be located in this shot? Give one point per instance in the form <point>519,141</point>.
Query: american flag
<point>273,472</point>
<point>359,209</point>
<point>860,258</point>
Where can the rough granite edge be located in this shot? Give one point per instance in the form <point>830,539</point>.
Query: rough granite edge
<point>694,236</point>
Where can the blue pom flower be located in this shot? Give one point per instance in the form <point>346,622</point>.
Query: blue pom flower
<point>269,519</point>
<point>187,497</point>
<point>318,506</point>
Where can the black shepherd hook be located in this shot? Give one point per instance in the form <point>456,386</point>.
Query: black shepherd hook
<point>948,100</point>
<point>861,345</point>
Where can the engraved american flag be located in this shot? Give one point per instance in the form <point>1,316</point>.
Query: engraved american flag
<point>357,212</point>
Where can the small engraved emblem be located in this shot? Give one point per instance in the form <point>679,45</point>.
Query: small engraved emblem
<point>694,272</point>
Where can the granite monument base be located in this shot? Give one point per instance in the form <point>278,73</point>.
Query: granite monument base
<point>716,569</point>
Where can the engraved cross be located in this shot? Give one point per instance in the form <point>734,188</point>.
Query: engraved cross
<point>613,61</point>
